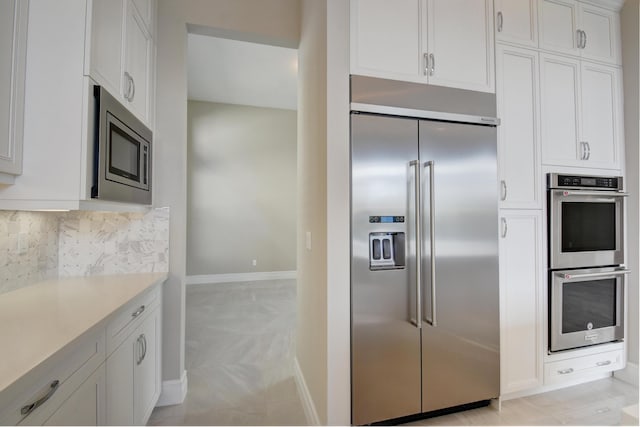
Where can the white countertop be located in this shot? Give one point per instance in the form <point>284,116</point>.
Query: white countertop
<point>39,320</point>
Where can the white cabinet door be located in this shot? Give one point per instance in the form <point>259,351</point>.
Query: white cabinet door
<point>560,110</point>
<point>517,21</point>
<point>147,368</point>
<point>460,38</point>
<point>521,305</point>
<point>519,131</point>
<point>385,39</point>
<point>558,26</point>
<point>601,32</point>
<point>133,372</point>
<point>105,64</point>
<point>119,391</point>
<point>138,50</point>
<point>13,44</point>
<point>85,407</point>
<point>601,115</point>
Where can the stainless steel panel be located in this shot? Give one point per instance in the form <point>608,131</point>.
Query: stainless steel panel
<point>418,96</point>
<point>385,343</point>
<point>460,354</point>
<point>563,341</point>
<point>423,114</point>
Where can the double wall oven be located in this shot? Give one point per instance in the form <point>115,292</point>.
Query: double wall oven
<point>586,260</point>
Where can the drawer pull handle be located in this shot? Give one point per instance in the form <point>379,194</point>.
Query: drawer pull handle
<point>605,363</point>
<point>565,371</point>
<point>138,312</point>
<point>27,409</point>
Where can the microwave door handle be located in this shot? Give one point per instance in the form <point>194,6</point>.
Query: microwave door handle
<point>569,276</point>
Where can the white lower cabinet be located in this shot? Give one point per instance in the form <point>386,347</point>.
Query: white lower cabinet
<point>133,370</point>
<point>85,407</point>
<point>569,369</point>
<point>521,305</point>
<point>111,376</point>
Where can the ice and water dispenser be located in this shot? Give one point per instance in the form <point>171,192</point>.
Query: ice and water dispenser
<point>386,248</point>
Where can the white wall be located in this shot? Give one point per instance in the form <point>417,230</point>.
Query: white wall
<point>311,338</point>
<point>241,189</point>
<point>274,22</point>
<point>630,18</point>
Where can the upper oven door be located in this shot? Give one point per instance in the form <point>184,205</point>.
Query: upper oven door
<point>586,228</point>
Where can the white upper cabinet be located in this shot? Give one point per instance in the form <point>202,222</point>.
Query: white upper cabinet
<point>120,51</point>
<point>517,22</point>
<point>105,53</point>
<point>601,34</point>
<point>138,64</point>
<point>558,26</point>
<point>601,115</point>
<point>13,43</point>
<point>441,42</point>
<point>581,113</point>
<point>518,106</point>
<point>579,29</point>
<point>384,38</point>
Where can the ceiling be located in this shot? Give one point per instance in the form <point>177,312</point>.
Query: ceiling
<point>238,72</point>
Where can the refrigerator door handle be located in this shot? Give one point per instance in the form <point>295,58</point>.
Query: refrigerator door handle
<point>432,241</point>
<point>418,226</point>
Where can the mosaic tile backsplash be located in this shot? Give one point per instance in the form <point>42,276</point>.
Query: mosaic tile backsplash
<point>81,244</point>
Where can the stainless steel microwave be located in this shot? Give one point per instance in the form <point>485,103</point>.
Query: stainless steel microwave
<point>121,153</point>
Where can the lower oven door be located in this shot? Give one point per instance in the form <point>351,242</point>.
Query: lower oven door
<point>586,307</point>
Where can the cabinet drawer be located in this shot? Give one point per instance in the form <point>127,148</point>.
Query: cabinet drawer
<point>48,385</point>
<point>563,370</point>
<point>129,317</point>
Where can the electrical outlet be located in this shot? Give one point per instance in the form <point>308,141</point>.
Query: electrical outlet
<point>23,243</point>
<point>254,262</point>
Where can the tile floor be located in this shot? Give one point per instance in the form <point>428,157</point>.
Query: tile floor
<point>239,357</point>
<point>239,360</point>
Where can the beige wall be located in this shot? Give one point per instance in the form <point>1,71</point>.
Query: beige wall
<point>311,339</point>
<point>272,21</point>
<point>241,189</point>
<point>630,17</point>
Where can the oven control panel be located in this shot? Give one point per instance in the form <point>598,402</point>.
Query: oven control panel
<point>581,181</point>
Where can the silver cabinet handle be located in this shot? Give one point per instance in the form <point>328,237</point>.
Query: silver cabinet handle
<point>569,276</point>
<point>427,65</point>
<point>504,227</point>
<point>503,187</point>
<point>418,226</point>
<point>584,39</point>
<point>579,38</point>
<point>127,94</point>
<point>432,240</point>
<point>500,22</point>
<point>138,312</point>
<point>565,371</point>
<point>583,151</point>
<point>133,89</point>
<point>433,64</point>
<point>29,408</point>
<point>605,363</point>
<point>588,147</point>
<point>144,347</point>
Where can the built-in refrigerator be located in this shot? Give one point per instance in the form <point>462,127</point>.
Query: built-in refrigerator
<point>424,267</point>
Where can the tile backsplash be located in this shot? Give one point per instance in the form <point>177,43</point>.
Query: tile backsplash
<point>81,244</point>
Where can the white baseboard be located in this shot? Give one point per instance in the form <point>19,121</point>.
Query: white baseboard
<point>303,391</point>
<point>173,392</point>
<point>240,277</point>
<point>628,374</point>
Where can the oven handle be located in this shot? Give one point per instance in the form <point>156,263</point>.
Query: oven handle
<point>593,193</point>
<point>568,276</point>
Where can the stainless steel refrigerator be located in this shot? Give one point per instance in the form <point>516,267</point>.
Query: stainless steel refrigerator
<point>424,285</point>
